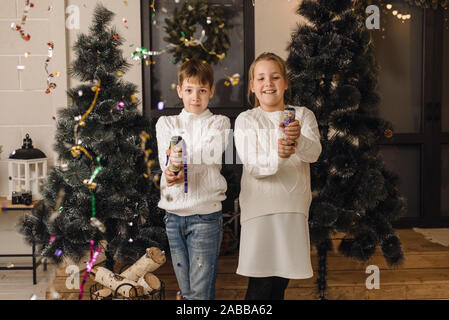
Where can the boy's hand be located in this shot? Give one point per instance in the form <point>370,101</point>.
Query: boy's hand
<point>173,178</point>
<point>175,156</point>
<point>286,148</point>
<point>292,131</point>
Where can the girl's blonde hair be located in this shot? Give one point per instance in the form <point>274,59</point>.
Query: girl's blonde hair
<point>267,56</point>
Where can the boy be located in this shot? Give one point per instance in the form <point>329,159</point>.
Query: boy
<point>193,202</point>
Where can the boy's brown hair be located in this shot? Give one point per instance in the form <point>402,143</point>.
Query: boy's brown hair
<point>198,69</point>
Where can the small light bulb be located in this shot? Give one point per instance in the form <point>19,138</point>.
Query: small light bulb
<point>389,6</point>
<point>395,12</point>
<point>399,16</point>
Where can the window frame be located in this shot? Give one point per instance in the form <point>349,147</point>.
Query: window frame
<point>248,45</point>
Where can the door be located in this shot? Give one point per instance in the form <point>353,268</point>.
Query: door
<point>413,84</point>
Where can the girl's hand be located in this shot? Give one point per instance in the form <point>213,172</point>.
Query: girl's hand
<point>173,178</point>
<point>292,131</point>
<point>286,148</point>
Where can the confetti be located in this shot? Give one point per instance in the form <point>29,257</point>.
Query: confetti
<point>80,93</point>
<point>233,80</point>
<point>54,294</point>
<point>20,67</point>
<point>124,20</point>
<point>27,54</point>
<point>160,105</point>
<point>33,297</point>
<point>120,105</point>
<point>125,3</point>
<point>164,10</point>
<point>142,53</point>
<point>50,85</point>
<point>97,224</point>
<point>93,258</point>
<point>130,224</point>
<point>58,252</point>
<point>173,86</point>
<point>130,240</point>
<point>119,74</point>
<point>179,265</point>
<point>54,118</point>
<point>52,238</point>
<point>26,9</point>
<point>11,265</point>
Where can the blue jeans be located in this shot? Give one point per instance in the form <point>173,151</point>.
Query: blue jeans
<point>195,246</point>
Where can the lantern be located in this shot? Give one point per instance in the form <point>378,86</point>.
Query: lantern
<point>27,168</point>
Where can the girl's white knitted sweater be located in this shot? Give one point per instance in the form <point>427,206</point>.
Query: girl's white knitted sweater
<point>206,137</point>
<point>271,184</point>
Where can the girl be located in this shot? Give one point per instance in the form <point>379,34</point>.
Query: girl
<point>275,188</point>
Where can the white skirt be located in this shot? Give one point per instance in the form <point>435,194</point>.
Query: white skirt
<point>275,245</point>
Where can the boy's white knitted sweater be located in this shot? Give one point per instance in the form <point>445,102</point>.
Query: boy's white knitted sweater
<point>271,184</point>
<point>206,138</point>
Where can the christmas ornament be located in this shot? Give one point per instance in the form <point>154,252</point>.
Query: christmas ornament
<point>388,133</point>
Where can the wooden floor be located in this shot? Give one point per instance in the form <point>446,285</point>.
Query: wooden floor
<point>18,284</point>
<point>424,275</point>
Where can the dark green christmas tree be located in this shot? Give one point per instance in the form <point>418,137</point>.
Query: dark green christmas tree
<point>126,192</point>
<point>333,73</point>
